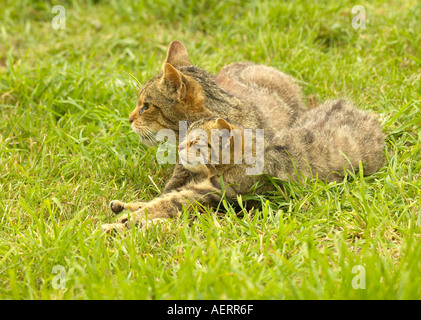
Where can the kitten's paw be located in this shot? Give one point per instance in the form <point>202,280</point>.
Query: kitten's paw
<point>113,228</point>
<point>139,220</point>
<point>124,219</point>
<point>152,222</point>
<point>116,206</point>
<point>130,219</point>
<point>143,224</point>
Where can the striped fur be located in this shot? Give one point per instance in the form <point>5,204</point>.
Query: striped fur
<point>326,142</point>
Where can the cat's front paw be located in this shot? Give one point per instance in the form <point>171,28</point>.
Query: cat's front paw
<point>116,206</point>
<point>113,228</point>
<point>138,219</point>
<point>116,228</point>
<point>129,218</point>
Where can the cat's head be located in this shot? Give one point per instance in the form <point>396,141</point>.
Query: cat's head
<point>175,94</point>
<point>211,144</point>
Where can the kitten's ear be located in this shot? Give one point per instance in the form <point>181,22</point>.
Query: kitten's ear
<point>235,132</point>
<point>174,80</point>
<point>177,55</point>
<point>222,124</point>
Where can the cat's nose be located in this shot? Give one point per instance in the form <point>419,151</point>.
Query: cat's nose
<point>180,147</point>
<point>131,120</point>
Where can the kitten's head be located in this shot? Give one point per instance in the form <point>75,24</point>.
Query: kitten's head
<point>174,95</point>
<point>211,144</point>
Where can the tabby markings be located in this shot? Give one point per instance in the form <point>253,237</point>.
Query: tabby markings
<point>224,147</point>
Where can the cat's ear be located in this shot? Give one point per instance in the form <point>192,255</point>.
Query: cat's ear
<point>223,124</point>
<point>177,55</point>
<point>174,80</point>
<point>234,131</point>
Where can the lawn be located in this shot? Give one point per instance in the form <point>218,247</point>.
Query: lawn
<point>66,150</point>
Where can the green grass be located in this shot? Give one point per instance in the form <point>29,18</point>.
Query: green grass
<point>66,150</point>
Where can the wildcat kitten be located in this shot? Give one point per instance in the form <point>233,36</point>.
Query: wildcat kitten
<point>325,143</point>
<point>183,92</point>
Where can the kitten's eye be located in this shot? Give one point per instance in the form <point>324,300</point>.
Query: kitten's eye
<point>145,107</point>
<point>191,143</point>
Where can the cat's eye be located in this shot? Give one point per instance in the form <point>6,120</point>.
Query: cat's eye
<point>192,142</point>
<point>145,107</point>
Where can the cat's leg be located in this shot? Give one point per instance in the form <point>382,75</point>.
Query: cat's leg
<point>244,78</point>
<point>233,70</point>
<point>229,78</point>
<point>275,81</point>
<point>117,206</point>
<point>168,205</point>
<point>180,178</point>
